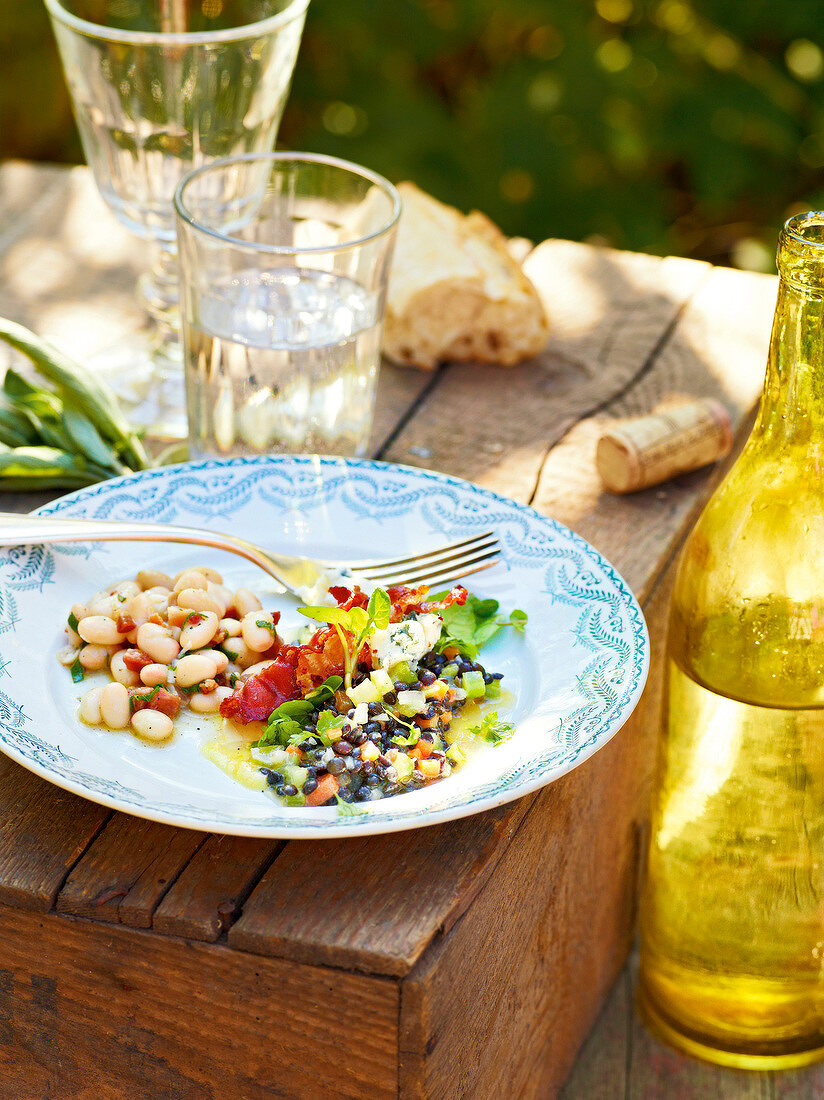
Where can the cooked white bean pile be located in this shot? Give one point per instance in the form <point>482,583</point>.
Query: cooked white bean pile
<point>167,643</point>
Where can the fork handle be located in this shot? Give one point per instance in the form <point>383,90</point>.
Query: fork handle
<point>16,530</point>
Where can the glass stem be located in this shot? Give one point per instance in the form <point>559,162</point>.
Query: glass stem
<point>159,287</point>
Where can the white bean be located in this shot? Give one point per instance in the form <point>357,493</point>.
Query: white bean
<point>193,668</point>
<point>157,642</point>
<point>220,659</point>
<point>190,578</point>
<point>196,635</point>
<point>74,638</point>
<point>139,608</point>
<point>246,601</point>
<point>152,724</point>
<point>220,594</point>
<point>152,675</point>
<point>205,704</point>
<point>210,574</point>
<point>80,611</point>
<point>101,605</point>
<point>93,657</point>
<point>90,706</point>
<point>121,672</point>
<point>114,706</point>
<point>238,651</point>
<point>67,655</point>
<point>257,637</point>
<point>231,626</point>
<point>125,589</point>
<point>153,578</point>
<point>99,630</point>
<point>254,670</point>
<point>195,599</point>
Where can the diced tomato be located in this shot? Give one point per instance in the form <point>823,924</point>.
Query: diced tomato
<point>125,623</point>
<point>135,659</point>
<point>167,702</point>
<point>257,696</point>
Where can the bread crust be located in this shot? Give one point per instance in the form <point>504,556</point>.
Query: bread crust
<point>455,292</point>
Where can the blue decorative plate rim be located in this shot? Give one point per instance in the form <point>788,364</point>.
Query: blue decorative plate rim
<point>610,625</point>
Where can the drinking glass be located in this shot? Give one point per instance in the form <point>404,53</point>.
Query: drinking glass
<point>284,260</point>
<point>160,87</point>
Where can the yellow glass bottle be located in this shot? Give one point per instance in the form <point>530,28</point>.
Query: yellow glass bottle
<point>732,913</point>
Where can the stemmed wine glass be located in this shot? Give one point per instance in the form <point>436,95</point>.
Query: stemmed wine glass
<point>160,87</point>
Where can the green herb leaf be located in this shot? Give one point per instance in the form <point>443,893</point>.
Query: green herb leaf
<point>349,809</point>
<point>77,670</point>
<point>265,625</point>
<point>327,721</point>
<point>379,609</point>
<point>408,742</point>
<point>325,692</point>
<point>471,625</point>
<point>72,620</point>
<point>332,615</point>
<point>147,698</point>
<point>490,729</point>
<point>280,731</point>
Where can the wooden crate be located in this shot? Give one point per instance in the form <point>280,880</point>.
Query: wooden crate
<point>461,960</point>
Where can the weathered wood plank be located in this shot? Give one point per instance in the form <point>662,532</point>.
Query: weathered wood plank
<point>43,832</point>
<point>127,870</point>
<point>716,349</point>
<point>600,1072</point>
<point>105,1012</point>
<point>209,894</point>
<point>608,311</point>
<point>386,899</point>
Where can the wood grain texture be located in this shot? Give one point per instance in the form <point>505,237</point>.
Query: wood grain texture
<point>43,832</point>
<point>127,870</point>
<point>608,312</point>
<point>600,1071</point>
<point>717,348</point>
<point>106,1012</point>
<point>208,895</point>
<point>373,903</point>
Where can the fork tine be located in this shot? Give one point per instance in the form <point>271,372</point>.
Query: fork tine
<point>435,580</point>
<point>378,566</point>
<point>456,566</point>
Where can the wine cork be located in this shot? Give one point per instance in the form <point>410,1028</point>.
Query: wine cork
<point>674,438</point>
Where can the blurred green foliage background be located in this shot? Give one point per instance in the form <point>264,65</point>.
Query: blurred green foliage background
<point>672,126</point>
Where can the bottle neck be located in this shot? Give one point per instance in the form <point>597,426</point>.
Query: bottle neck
<point>792,406</point>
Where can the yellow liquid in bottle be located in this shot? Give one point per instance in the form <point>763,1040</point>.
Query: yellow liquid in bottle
<point>733,915</point>
<point>732,910</point>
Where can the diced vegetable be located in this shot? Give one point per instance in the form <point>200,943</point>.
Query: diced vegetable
<point>473,684</point>
<point>327,788</point>
<point>404,766</point>
<point>411,703</point>
<point>382,681</point>
<point>364,692</point>
<point>402,673</point>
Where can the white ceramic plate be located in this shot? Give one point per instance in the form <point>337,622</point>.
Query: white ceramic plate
<point>576,674</point>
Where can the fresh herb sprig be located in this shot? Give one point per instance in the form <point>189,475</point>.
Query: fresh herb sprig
<point>353,626</point>
<point>492,730</point>
<point>284,726</point>
<point>470,626</point>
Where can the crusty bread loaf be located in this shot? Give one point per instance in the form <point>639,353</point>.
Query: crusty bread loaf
<point>455,292</point>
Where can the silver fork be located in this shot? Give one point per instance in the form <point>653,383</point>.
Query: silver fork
<point>435,566</point>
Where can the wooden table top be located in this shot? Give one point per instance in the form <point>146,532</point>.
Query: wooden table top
<point>627,331</point>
